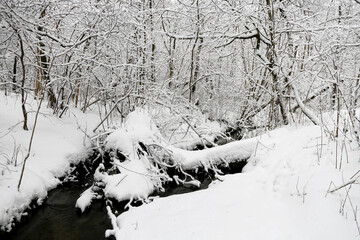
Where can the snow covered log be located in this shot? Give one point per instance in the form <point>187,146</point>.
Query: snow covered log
<point>221,155</point>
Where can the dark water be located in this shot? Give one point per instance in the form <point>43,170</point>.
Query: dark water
<point>58,219</point>
<point>204,177</point>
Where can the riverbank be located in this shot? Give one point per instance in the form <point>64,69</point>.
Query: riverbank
<point>58,143</point>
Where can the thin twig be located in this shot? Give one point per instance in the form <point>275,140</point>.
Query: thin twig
<point>355,174</point>
<point>121,180</point>
<point>31,140</point>
<point>344,185</point>
<point>201,137</point>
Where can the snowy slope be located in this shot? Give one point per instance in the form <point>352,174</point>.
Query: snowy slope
<point>282,194</point>
<point>57,143</point>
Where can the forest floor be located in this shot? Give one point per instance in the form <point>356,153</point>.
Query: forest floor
<point>298,184</point>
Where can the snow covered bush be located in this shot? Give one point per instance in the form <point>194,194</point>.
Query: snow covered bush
<point>140,160</point>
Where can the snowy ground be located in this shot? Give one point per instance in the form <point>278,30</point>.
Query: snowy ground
<point>282,194</point>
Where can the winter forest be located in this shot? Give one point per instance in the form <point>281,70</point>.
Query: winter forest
<point>116,112</point>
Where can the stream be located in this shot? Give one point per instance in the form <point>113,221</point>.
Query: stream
<point>58,219</point>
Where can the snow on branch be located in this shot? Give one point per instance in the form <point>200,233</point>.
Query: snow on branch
<point>254,33</point>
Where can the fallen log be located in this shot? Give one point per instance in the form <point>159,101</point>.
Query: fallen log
<point>225,154</point>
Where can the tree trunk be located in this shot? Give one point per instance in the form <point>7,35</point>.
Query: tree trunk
<point>279,101</point>
<point>23,98</point>
<point>172,45</point>
<point>44,77</point>
<point>195,56</point>
<point>152,58</point>
<point>14,73</point>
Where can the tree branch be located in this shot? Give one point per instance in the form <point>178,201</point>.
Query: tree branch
<point>304,109</point>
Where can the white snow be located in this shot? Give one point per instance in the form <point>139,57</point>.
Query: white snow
<point>282,194</point>
<point>57,143</point>
<point>137,127</point>
<point>134,181</point>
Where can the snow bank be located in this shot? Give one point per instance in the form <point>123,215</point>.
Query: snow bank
<point>56,144</point>
<point>283,194</point>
